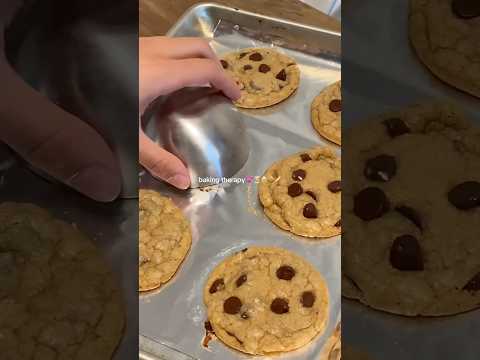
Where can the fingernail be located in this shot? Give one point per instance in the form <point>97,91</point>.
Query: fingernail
<point>179,181</point>
<point>97,182</point>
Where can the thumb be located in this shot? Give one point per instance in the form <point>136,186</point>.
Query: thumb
<point>55,141</point>
<point>161,164</point>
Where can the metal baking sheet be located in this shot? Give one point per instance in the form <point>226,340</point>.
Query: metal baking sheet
<point>227,218</point>
<point>381,72</point>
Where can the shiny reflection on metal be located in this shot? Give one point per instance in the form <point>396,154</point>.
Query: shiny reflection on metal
<point>202,128</point>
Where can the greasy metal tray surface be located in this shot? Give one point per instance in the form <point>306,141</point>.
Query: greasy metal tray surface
<point>382,72</point>
<point>229,218</point>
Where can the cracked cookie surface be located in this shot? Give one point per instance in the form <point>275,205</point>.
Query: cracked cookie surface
<point>58,298</point>
<point>302,193</point>
<point>265,76</point>
<point>326,113</point>
<point>165,239</point>
<point>411,207</point>
<point>446,37</point>
<point>265,300</point>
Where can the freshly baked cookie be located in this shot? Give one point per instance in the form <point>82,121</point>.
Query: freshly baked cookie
<point>266,77</point>
<point>266,300</point>
<point>301,193</point>
<point>165,239</point>
<point>327,113</point>
<point>58,298</point>
<point>412,209</point>
<point>446,38</point>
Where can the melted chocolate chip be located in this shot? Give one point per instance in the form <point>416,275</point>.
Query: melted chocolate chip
<point>247,67</point>
<point>217,286</point>
<point>242,55</point>
<point>465,196</point>
<point>305,157</point>
<point>244,316</point>
<point>335,186</point>
<point>285,272</point>
<point>380,168</point>
<point>370,203</point>
<point>310,211</point>
<point>474,284</point>
<point>411,215</point>
<point>224,64</point>
<point>256,57</point>
<point>311,194</point>
<point>338,223</point>
<point>241,280</point>
<point>406,254</point>
<point>308,299</point>
<point>208,326</point>
<point>299,174</point>
<point>244,250</point>
<point>466,9</point>
<point>295,190</point>
<point>282,75</point>
<point>396,127</point>
<point>264,68</point>
<point>232,305</point>
<point>335,105</point>
<point>279,306</point>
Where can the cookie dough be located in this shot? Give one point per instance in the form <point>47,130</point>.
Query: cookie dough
<point>265,76</point>
<point>58,298</point>
<point>327,113</point>
<point>412,209</point>
<point>301,193</point>
<point>266,300</point>
<point>446,37</point>
<point>165,239</point>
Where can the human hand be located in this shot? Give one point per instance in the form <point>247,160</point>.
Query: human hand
<point>49,138</point>
<point>166,65</point>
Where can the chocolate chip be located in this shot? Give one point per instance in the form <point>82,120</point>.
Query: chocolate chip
<point>247,67</point>
<point>224,64</point>
<point>295,190</point>
<point>308,298</point>
<point>380,168</point>
<point>217,286</point>
<point>474,284</point>
<point>244,316</point>
<point>244,250</point>
<point>311,194</point>
<point>396,127</point>
<point>208,326</point>
<point>232,305</point>
<point>242,55</point>
<point>335,105</point>
<point>466,9</point>
<point>411,215</point>
<point>282,75</point>
<point>406,254</point>
<point>299,174</point>
<point>256,57</point>
<point>264,68</point>
<point>310,211</point>
<point>285,272</point>
<point>465,196</point>
<point>370,203</point>
<point>279,306</point>
<point>305,157</point>
<point>241,280</point>
<point>338,223</point>
<point>335,186</point>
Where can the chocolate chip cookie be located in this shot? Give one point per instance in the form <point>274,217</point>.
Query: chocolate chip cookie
<point>301,193</point>
<point>326,113</point>
<point>266,300</point>
<point>265,76</point>
<point>412,209</point>
<point>58,297</point>
<point>446,36</point>
<point>165,239</point>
